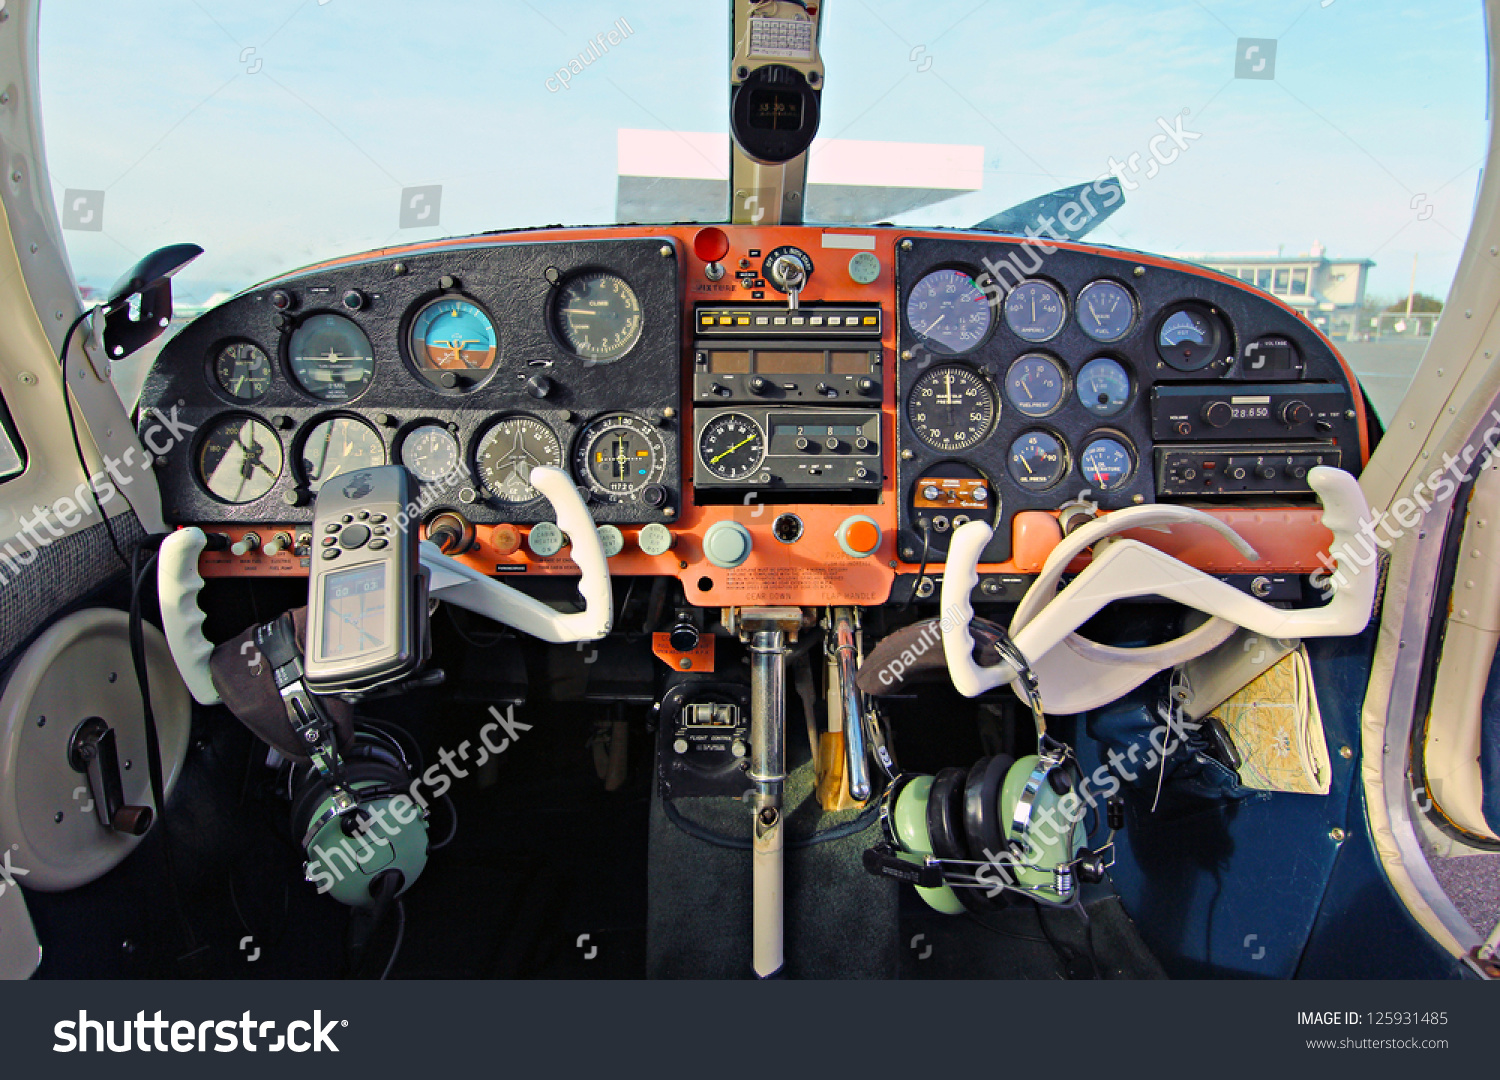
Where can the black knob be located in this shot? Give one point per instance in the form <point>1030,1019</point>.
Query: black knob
<point>654,495</point>
<point>354,299</point>
<point>1295,413</point>
<point>683,637</point>
<point>539,386</point>
<point>1296,472</point>
<point>802,442</point>
<point>826,390</point>
<point>868,386</point>
<point>1266,472</point>
<point>1217,414</point>
<point>759,385</point>
<point>282,300</point>
<point>1237,473</point>
<point>448,380</point>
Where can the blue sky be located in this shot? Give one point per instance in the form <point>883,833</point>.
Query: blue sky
<point>282,131</point>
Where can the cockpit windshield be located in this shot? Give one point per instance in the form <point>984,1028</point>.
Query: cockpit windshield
<point>1326,152</point>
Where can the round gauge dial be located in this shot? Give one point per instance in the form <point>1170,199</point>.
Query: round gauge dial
<point>1189,339</point>
<point>952,407</point>
<point>338,445</point>
<point>598,316</point>
<point>430,452</point>
<point>1104,386</point>
<point>1035,385</point>
<point>732,446</point>
<point>509,451</point>
<point>1106,310</point>
<point>1037,460</point>
<point>1036,310</point>
<point>239,459</point>
<point>243,370</point>
<point>948,311</point>
<point>331,358</point>
<point>1106,463</point>
<point>617,455</point>
<point>452,335</point>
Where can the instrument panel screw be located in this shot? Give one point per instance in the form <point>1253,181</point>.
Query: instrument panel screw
<point>446,282</point>
<point>1346,752</point>
<point>685,663</point>
<point>398,268</point>
<point>27,378</point>
<point>311,735</point>
<point>666,251</point>
<point>668,413</point>
<point>906,553</point>
<point>1336,834</point>
<point>1138,499</point>
<point>57,817</point>
<point>907,455</point>
<point>1139,271</point>
<point>906,245</point>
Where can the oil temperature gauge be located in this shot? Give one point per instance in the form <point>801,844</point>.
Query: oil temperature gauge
<point>617,456</point>
<point>1106,463</point>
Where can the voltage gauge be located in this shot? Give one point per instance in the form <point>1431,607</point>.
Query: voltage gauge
<point>617,456</point>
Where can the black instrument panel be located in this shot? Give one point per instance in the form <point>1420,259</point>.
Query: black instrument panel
<point>469,363</point>
<point>1037,376</point>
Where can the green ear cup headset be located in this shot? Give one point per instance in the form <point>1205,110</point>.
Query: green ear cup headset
<point>969,839</point>
<point>369,852</point>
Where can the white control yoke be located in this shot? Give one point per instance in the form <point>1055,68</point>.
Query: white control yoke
<point>1077,674</point>
<point>179,583</point>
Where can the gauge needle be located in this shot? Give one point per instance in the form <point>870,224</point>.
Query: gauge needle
<point>933,325</point>
<point>1026,461</point>
<point>732,449</point>
<point>1026,388</point>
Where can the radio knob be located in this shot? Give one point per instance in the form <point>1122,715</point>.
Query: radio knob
<point>1295,413</point>
<point>1237,473</point>
<point>832,443</point>
<point>539,386</point>
<point>1266,472</point>
<point>802,443</point>
<point>759,385</point>
<point>1296,472</point>
<point>868,386</point>
<point>1217,414</point>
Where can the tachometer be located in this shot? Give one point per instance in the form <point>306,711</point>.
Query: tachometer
<point>1104,386</point>
<point>1037,460</point>
<point>331,358</point>
<point>952,408</point>
<point>243,370</point>
<point>338,445</point>
<point>239,459</point>
<point>509,451</point>
<point>948,311</point>
<point>1035,310</point>
<point>598,316</point>
<point>617,455</point>
<point>1106,310</point>
<point>732,446</point>
<point>1035,385</point>
<point>1106,463</point>
<point>452,335</point>
<point>430,452</point>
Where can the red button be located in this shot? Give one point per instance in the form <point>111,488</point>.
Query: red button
<point>862,537</point>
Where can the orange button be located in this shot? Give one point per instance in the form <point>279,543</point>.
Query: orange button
<point>1034,533</point>
<point>862,537</point>
<point>505,539</point>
